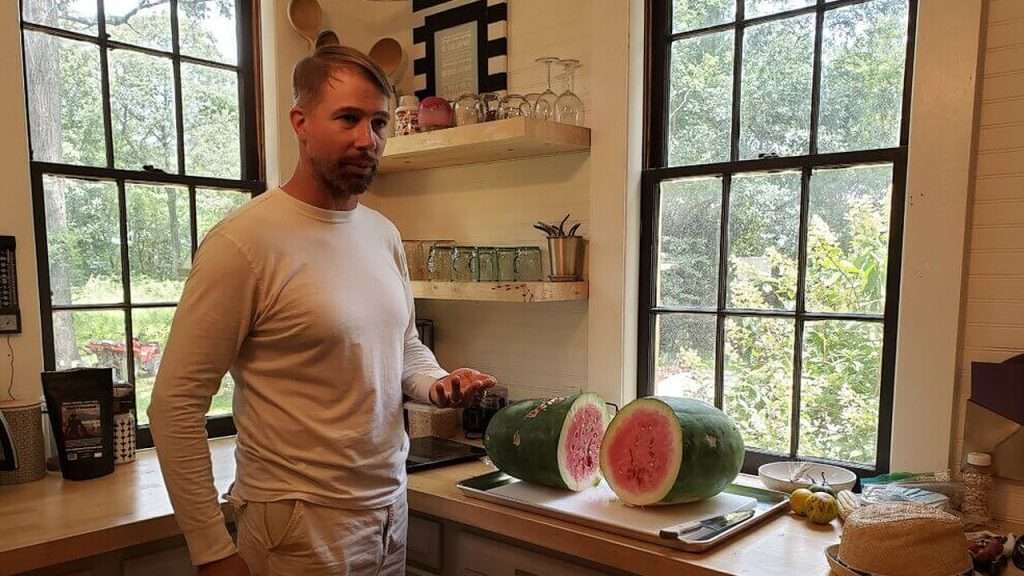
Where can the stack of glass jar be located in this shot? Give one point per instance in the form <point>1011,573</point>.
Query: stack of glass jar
<point>441,261</point>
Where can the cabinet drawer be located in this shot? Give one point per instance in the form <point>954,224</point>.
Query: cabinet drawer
<point>477,555</point>
<point>423,543</point>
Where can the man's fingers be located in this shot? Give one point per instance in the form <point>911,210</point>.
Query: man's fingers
<point>456,391</point>
<point>440,395</point>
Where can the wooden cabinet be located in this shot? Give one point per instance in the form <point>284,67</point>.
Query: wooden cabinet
<point>442,548</point>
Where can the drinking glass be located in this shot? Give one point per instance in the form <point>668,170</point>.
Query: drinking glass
<point>528,264</point>
<point>513,106</point>
<point>487,264</point>
<point>469,109</point>
<point>465,264</point>
<point>439,263</point>
<point>531,105</point>
<point>569,107</point>
<point>507,264</point>
<point>545,106</point>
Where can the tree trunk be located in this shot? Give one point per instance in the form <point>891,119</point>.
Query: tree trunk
<point>42,60</point>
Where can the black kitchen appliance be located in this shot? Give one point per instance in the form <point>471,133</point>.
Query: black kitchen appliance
<point>8,457</point>
<point>429,452</point>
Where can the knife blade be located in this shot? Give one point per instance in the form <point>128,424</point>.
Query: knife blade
<point>704,529</point>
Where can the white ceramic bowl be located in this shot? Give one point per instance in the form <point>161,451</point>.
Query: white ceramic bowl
<point>776,476</point>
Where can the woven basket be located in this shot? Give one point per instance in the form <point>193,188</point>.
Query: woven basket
<point>25,419</point>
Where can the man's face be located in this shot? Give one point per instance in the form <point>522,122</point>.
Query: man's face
<point>343,132</point>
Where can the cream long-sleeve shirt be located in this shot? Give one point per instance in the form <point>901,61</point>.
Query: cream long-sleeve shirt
<point>312,312</point>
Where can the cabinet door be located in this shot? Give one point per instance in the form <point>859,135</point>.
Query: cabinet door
<point>477,555</point>
<point>424,544</point>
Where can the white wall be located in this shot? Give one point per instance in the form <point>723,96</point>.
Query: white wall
<point>16,214</point>
<point>992,328</point>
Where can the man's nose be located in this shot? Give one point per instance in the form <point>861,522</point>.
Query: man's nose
<point>365,137</point>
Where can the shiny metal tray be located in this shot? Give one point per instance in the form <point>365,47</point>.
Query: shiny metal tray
<point>599,511</point>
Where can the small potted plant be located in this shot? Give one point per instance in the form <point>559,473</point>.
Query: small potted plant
<point>565,250</point>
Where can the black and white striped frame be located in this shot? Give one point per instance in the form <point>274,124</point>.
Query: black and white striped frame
<point>491,17</point>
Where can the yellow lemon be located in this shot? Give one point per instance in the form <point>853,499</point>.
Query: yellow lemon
<point>798,500</point>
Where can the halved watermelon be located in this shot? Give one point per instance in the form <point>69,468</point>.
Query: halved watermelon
<point>555,442</point>
<point>662,450</point>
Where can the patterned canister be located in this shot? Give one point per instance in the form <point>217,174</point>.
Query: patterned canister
<point>25,420</point>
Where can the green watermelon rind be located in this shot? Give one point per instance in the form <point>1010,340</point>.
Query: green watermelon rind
<point>710,451</point>
<point>531,448</point>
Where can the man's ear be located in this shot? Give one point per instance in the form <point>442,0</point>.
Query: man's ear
<point>298,119</point>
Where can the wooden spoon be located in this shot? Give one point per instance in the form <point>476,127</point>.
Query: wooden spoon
<point>305,17</point>
<point>388,54</point>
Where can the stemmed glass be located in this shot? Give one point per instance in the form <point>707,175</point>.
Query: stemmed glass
<point>544,109</point>
<point>569,107</point>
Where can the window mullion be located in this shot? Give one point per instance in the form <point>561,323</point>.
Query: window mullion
<point>122,203</point>
<point>737,83</point>
<point>179,113</point>
<point>819,27</point>
<point>801,309</point>
<point>108,130</point>
<point>723,292</point>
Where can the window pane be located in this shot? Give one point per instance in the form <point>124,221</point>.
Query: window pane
<point>839,391</point>
<point>210,98</point>
<point>151,327</point>
<point>65,103</point>
<point>75,15</point>
<point>685,365</point>
<point>159,241</point>
<point>764,223</point>
<point>695,14</point>
<point>700,99</point>
<point>758,380</point>
<point>775,108</point>
<point>83,240</point>
<point>755,8</point>
<point>221,403</point>
<point>688,242</point>
<point>90,339</point>
<point>142,111</point>
<point>848,239</point>
<point>863,56</point>
<point>139,22</point>
<point>207,29</point>
<point>213,205</point>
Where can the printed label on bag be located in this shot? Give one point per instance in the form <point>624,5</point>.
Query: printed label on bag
<point>83,430</point>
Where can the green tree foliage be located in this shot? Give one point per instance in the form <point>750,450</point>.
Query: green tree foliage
<point>66,119</point>
<point>848,221</point>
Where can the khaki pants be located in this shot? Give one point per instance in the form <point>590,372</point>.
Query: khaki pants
<point>291,537</point>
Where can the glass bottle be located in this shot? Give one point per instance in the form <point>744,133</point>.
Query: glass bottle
<point>977,477</point>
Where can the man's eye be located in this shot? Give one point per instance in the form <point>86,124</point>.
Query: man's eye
<point>348,118</point>
<point>380,124</point>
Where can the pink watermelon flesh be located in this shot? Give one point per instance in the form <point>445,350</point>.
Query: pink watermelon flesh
<point>583,443</point>
<point>640,451</point>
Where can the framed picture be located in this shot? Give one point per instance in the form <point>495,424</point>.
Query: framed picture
<point>460,46</point>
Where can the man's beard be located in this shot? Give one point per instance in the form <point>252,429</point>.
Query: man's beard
<point>331,175</point>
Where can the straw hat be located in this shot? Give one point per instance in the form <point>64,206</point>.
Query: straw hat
<point>900,539</point>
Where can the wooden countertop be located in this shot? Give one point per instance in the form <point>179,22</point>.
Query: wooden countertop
<point>54,521</point>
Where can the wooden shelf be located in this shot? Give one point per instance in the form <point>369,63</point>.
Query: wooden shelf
<point>501,291</point>
<point>484,142</point>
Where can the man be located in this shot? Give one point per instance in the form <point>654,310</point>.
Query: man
<point>304,295</point>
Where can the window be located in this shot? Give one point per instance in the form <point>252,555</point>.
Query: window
<point>772,210</point>
<point>142,117</point>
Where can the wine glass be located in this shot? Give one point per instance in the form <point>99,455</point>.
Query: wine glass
<point>569,107</point>
<point>544,109</point>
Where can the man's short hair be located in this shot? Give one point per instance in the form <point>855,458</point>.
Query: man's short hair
<point>312,72</point>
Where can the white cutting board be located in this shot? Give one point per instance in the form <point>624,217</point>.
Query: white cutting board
<point>600,505</point>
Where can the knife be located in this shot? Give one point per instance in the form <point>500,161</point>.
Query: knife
<point>705,529</point>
